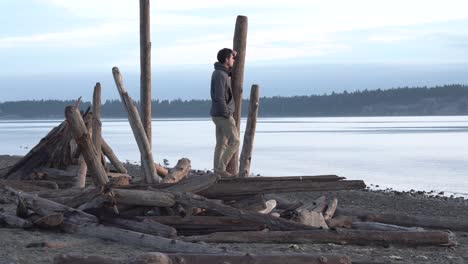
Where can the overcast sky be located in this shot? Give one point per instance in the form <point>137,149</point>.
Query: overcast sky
<point>88,36</point>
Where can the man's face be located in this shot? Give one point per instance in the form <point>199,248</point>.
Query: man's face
<point>230,61</point>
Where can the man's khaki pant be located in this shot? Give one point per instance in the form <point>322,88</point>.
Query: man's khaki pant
<point>227,142</point>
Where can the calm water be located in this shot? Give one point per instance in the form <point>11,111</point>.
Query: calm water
<point>422,153</point>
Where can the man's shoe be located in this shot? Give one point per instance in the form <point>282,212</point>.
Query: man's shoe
<point>224,174</point>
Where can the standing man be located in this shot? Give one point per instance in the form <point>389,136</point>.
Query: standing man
<point>222,108</point>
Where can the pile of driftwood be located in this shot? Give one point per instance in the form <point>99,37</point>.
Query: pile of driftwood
<point>170,210</point>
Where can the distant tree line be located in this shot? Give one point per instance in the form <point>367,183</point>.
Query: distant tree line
<point>440,100</point>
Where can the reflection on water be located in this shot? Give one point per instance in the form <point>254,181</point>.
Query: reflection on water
<point>423,153</point>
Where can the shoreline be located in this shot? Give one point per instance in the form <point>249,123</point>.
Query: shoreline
<point>13,245</point>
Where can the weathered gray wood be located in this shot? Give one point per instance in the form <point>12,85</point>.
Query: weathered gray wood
<point>179,172</point>
<point>46,207</point>
<point>242,186</point>
<point>237,81</point>
<point>383,227</point>
<point>144,198</point>
<point>107,150</point>
<point>249,134</point>
<point>144,226</point>
<point>96,121</point>
<point>27,185</point>
<point>274,223</point>
<point>187,258</point>
<point>82,138</point>
<point>199,225</point>
<point>340,236</point>
<point>137,239</point>
<point>144,146</point>
<point>51,220</point>
<point>145,69</point>
<point>13,221</point>
<point>82,172</point>
<point>70,192</point>
<point>194,184</point>
<point>331,208</point>
<point>251,203</point>
<point>404,219</point>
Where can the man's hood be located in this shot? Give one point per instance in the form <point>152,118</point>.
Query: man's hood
<point>220,66</point>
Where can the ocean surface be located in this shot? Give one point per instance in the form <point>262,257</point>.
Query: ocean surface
<point>403,153</point>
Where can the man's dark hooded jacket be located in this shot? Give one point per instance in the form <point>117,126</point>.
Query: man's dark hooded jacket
<point>222,100</point>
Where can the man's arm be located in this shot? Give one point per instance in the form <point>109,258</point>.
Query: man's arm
<point>219,85</point>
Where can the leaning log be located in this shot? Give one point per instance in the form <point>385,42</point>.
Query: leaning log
<point>83,140</point>
<point>245,186</point>
<point>200,225</point>
<point>109,153</point>
<point>187,258</point>
<point>274,223</point>
<point>249,134</point>
<point>137,239</point>
<point>179,172</point>
<point>340,236</point>
<point>144,146</point>
<point>404,219</point>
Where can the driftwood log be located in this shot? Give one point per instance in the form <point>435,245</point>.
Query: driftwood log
<point>229,188</point>
<point>109,153</point>
<point>144,146</point>
<point>274,223</point>
<point>137,239</point>
<point>10,220</point>
<point>82,138</point>
<point>179,172</point>
<point>144,226</point>
<point>96,122</point>
<point>44,207</point>
<point>340,236</point>
<point>237,81</point>
<point>403,219</point>
<point>187,258</point>
<point>200,225</point>
<point>249,134</point>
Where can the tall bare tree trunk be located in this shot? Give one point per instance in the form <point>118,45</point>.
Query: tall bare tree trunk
<point>96,121</point>
<point>237,81</point>
<point>249,134</point>
<point>145,67</point>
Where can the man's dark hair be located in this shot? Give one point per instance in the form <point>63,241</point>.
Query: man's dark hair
<point>224,54</point>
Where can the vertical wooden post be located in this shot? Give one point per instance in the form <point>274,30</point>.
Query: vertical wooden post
<point>145,68</point>
<point>96,121</point>
<point>247,146</point>
<point>147,162</point>
<point>237,81</point>
<point>82,138</point>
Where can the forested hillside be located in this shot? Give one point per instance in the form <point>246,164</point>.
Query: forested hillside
<point>442,100</point>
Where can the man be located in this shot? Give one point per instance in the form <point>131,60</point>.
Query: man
<point>222,108</point>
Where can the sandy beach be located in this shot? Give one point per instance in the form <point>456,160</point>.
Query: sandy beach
<point>14,242</point>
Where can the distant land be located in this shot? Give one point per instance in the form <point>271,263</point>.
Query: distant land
<point>439,100</point>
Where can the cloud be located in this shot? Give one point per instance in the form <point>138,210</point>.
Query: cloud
<point>82,37</point>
